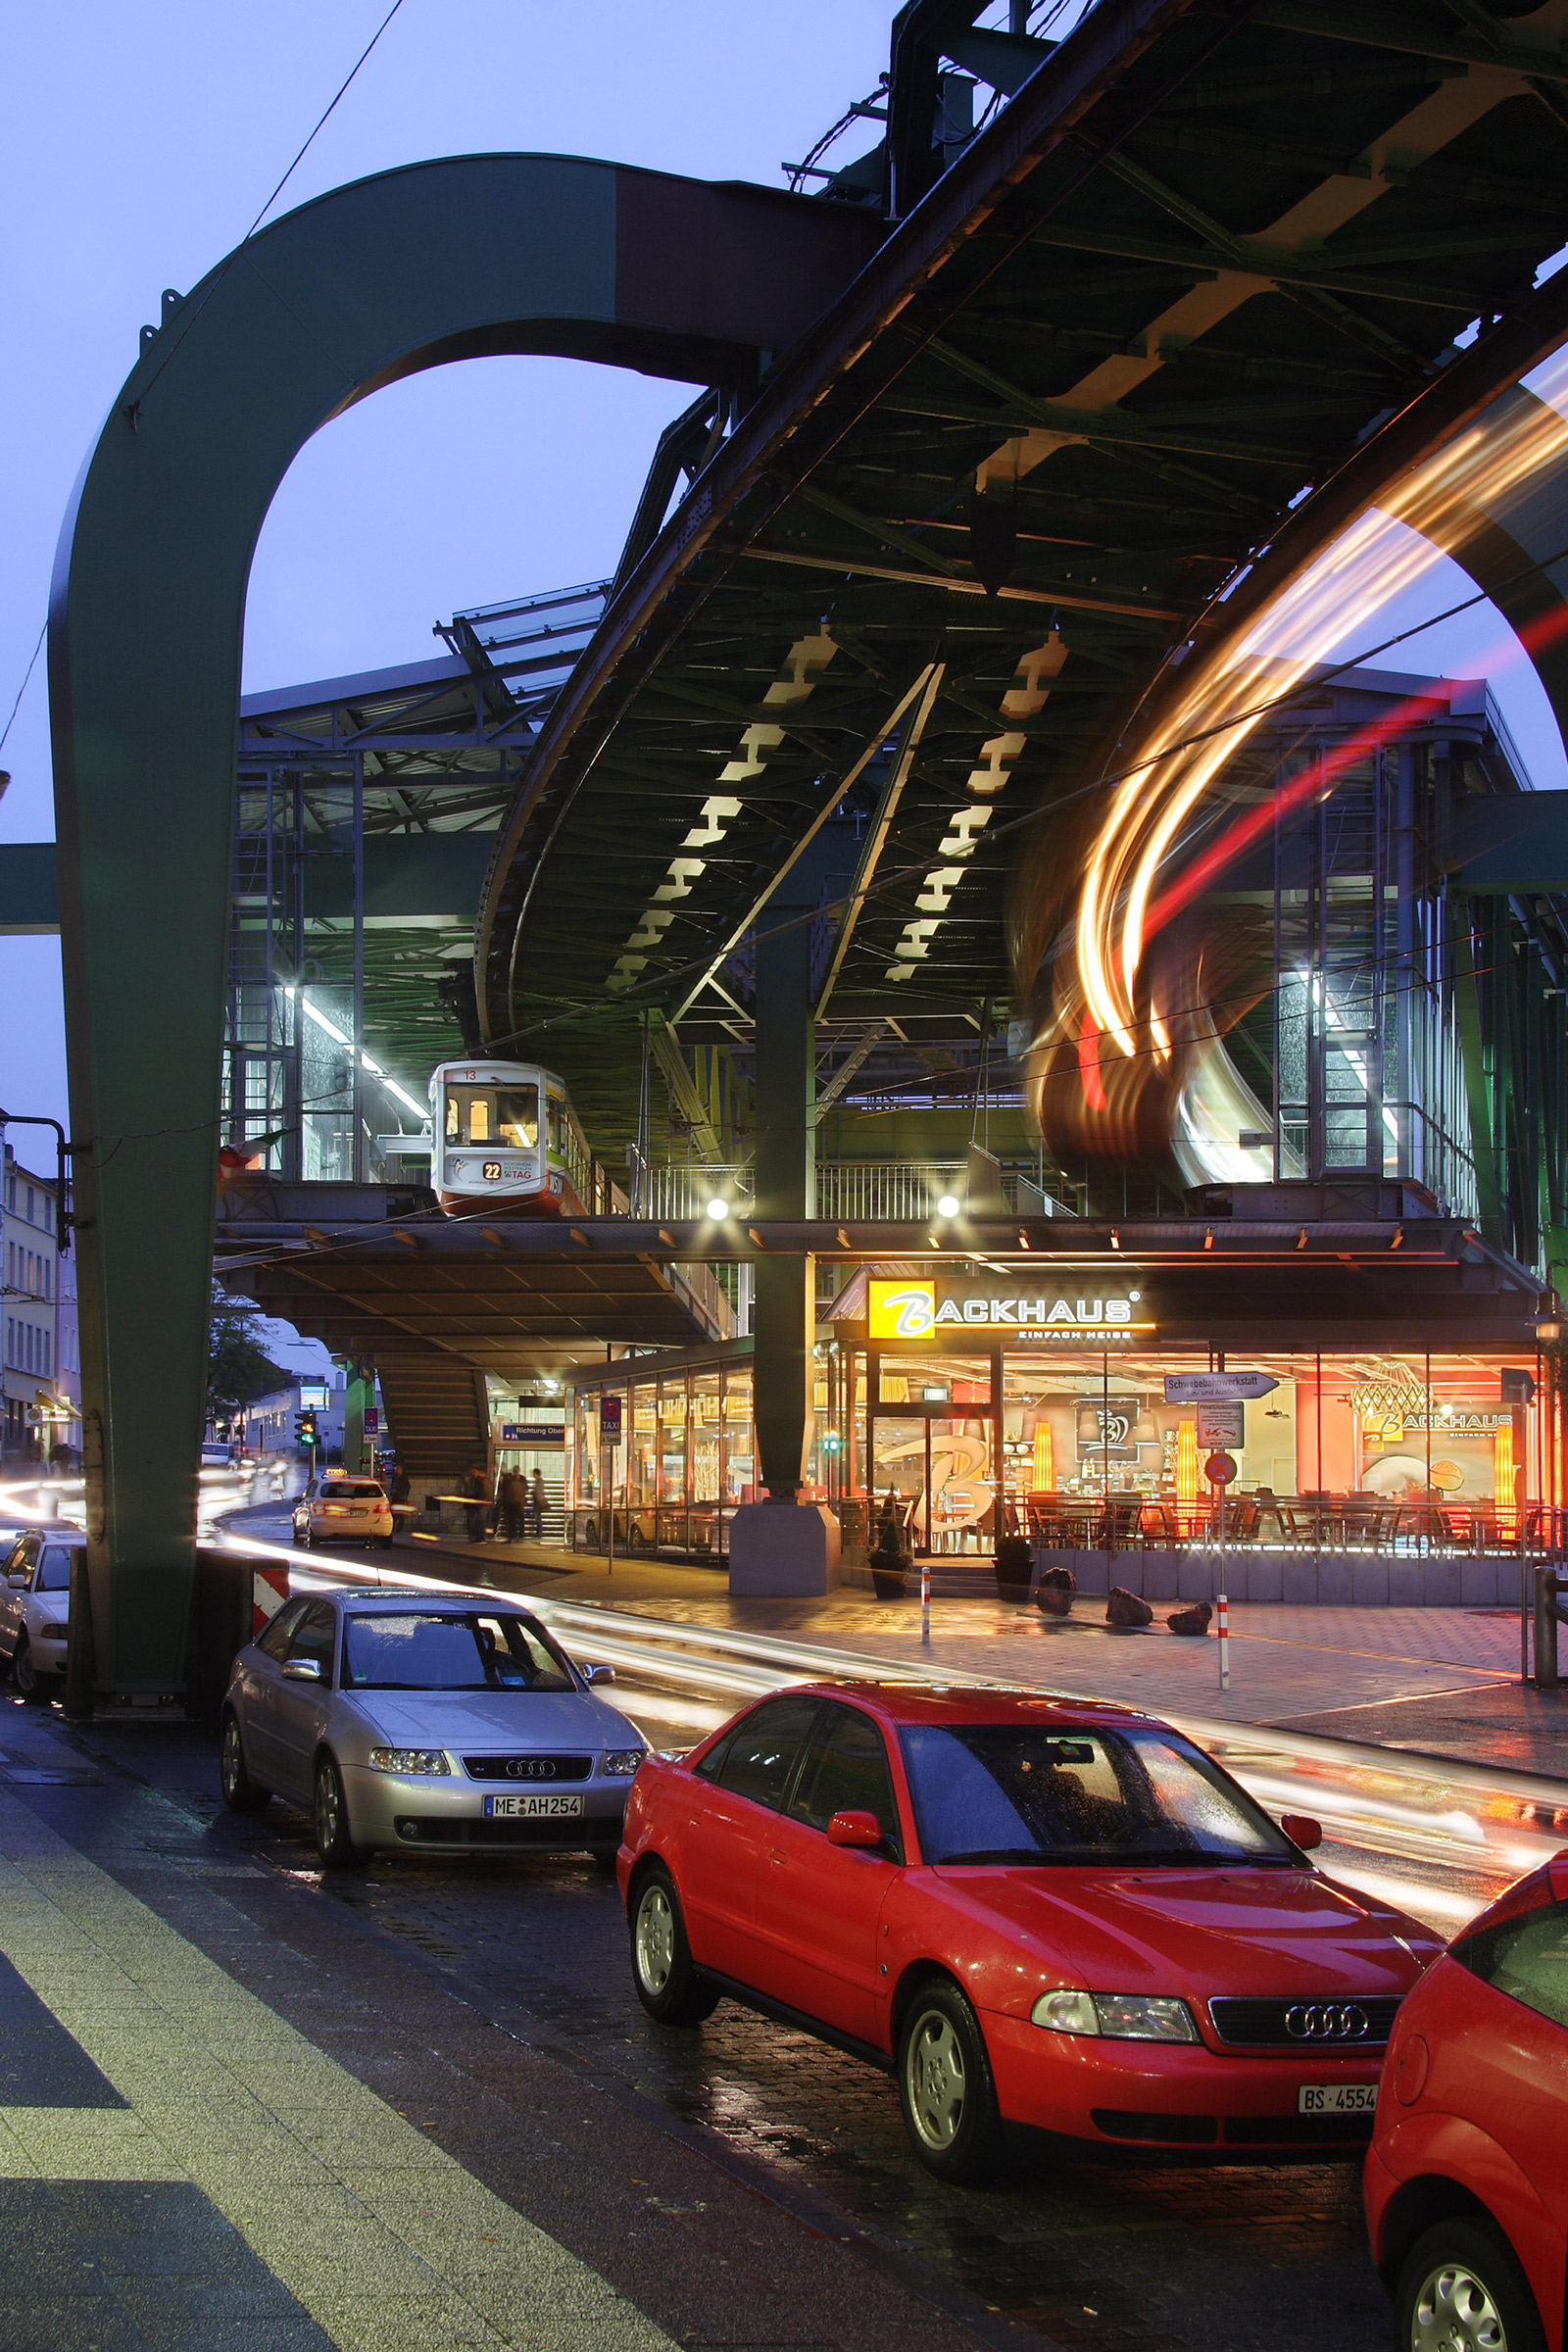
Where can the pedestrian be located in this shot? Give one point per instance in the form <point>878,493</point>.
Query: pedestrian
<point>398,1486</point>
<point>537,1504</point>
<point>511,1505</point>
<point>476,1493</point>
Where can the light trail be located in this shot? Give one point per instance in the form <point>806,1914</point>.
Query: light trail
<point>1122,1018</point>
<point>1466,1830</point>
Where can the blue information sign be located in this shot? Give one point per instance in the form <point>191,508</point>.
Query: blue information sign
<point>610,1416</point>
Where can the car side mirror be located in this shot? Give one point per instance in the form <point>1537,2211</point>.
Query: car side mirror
<point>854,1829</point>
<point>1301,1829</point>
<point>596,1672</point>
<point>17,1583</point>
<point>302,1670</point>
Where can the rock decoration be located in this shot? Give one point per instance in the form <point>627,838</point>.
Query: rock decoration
<point>1191,1621</point>
<point>1126,1610</point>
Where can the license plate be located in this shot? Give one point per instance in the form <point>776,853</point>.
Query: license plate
<point>1335,2098</point>
<point>533,1809</point>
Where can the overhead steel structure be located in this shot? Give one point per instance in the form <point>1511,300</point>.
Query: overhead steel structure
<point>1186,306</point>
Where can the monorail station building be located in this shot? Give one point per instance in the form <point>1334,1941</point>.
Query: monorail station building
<point>939,951</point>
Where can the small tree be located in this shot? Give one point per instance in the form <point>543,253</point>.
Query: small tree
<point>238,1366</point>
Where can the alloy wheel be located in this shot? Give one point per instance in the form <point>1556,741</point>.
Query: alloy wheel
<point>655,1938</point>
<point>326,1821</point>
<point>1454,2313</point>
<point>232,1762</point>
<point>936,2080</point>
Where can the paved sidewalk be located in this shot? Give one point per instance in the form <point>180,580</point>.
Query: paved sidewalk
<point>1443,1681</point>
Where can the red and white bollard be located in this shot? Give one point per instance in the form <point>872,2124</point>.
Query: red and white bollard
<point>269,1592</point>
<point>1223,1610</point>
<point>925,1603</point>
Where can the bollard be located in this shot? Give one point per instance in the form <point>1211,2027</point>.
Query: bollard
<point>1549,1613</point>
<point>925,1603</point>
<point>1223,1608</point>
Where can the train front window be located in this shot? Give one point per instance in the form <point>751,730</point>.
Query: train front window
<point>493,1114</point>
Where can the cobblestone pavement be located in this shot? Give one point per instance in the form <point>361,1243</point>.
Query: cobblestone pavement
<point>739,2186</point>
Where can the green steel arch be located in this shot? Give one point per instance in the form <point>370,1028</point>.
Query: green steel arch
<point>448,260</point>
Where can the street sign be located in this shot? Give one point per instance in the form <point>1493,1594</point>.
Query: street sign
<point>1215,1388</point>
<point>609,1419</point>
<point>1222,1425</point>
<point>372,1420</point>
<point>1220,1469</point>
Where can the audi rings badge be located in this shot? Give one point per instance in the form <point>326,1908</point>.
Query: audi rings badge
<point>1326,2021</point>
<point>531,1768</point>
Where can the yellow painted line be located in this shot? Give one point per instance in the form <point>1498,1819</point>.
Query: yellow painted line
<point>380,2235</point>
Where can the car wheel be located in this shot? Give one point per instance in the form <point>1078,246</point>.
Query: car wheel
<point>240,1792</point>
<point>385,1542</point>
<point>294,1534</point>
<point>330,1818</point>
<point>24,1674</point>
<point>949,2098</point>
<point>669,1984</point>
<point>1461,2286</point>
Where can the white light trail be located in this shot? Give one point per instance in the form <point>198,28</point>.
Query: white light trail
<point>420,1111</point>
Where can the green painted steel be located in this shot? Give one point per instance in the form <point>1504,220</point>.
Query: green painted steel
<point>30,888</point>
<point>442,261</point>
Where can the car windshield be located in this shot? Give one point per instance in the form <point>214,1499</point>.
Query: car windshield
<point>451,1651</point>
<point>1016,1793</point>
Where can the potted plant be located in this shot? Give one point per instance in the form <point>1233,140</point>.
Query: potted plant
<point>1014,1567</point>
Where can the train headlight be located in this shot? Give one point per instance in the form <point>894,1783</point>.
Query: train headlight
<point>948,1206</point>
<point>718,1211</point>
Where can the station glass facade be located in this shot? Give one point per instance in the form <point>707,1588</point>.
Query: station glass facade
<point>1064,1432</point>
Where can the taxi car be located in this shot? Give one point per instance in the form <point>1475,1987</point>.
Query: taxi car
<point>1466,2181</point>
<point>426,1723</point>
<point>340,1508</point>
<point>1051,1920</point>
<point>35,1605</point>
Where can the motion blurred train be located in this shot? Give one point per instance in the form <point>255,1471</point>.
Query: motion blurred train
<point>506,1141</point>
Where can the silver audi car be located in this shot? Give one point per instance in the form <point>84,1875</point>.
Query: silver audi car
<point>451,1726</point>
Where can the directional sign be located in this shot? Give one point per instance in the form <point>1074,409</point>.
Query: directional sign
<point>1215,1388</point>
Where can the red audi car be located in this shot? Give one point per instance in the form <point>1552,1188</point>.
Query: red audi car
<point>1467,2174</point>
<point>1047,1917</point>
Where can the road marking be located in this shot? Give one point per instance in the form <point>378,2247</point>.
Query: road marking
<point>378,2235</point>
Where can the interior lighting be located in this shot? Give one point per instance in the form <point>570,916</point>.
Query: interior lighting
<point>1045,1472</point>
<point>718,1211</point>
<point>948,1206</point>
<point>1503,1475</point>
<point>1187,1462</point>
<point>420,1111</point>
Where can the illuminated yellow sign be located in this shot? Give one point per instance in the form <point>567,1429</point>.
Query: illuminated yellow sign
<point>903,1310</point>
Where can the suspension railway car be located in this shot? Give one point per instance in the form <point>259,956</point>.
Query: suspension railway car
<point>504,1141</point>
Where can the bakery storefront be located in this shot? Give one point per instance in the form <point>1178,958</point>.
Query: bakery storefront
<point>982,1409</point>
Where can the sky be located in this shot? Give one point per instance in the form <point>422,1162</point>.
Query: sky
<point>140,145</point>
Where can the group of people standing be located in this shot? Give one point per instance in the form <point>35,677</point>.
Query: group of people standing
<point>517,1502</point>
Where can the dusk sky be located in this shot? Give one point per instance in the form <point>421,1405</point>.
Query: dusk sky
<point>140,145</point>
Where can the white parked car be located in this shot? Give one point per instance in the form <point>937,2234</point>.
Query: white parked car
<point>337,1508</point>
<point>399,1719</point>
<point>35,1606</point>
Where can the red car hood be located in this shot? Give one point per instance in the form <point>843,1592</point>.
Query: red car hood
<point>1255,1932</point>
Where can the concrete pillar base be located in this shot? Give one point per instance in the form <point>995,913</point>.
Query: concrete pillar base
<point>783,1551</point>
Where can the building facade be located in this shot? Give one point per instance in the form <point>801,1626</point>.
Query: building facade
<point>42,1351</point>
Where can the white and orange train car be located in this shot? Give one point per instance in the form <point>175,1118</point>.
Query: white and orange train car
<point>505,1142</point>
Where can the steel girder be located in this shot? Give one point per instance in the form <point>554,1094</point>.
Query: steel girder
<point>442,261</point>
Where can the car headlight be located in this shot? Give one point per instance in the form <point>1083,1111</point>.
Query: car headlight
<point>410,1759</point>
<point>1119,2016</point>
<point>623,1759</point>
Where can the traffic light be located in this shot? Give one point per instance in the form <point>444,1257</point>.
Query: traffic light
<point>304,1429</point>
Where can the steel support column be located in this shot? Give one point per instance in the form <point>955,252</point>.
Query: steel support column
<point>458,259</point>
<point>785,1309</point>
